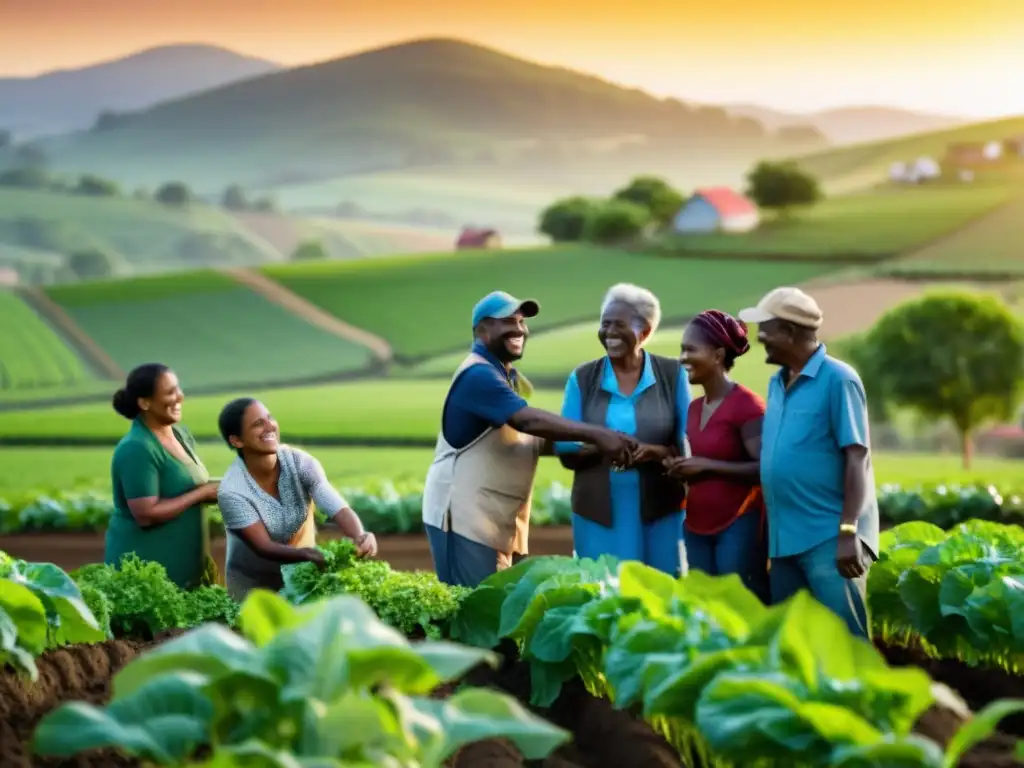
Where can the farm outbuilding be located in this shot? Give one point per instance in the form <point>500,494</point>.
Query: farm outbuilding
<point>476,237</point>
<point>965,154</point>
<point>920,170</point>
<point>1015,146</point>
<point>718,209</point>
<point>993,150</point>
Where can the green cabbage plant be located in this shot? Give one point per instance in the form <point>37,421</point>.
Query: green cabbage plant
<point>323,684</point>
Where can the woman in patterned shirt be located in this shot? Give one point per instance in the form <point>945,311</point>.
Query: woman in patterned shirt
<point>267,497</point>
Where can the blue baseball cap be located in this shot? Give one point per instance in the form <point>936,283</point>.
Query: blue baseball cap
<point>499,304</point>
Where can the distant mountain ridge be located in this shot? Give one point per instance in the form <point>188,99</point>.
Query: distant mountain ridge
<point>439,102</point>
<point>68,100</point>
<point>854,124</point>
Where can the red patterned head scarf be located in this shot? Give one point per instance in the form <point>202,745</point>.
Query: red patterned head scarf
<point>723,330</point>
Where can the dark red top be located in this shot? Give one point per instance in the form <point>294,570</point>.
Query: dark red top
<point>714,502</point>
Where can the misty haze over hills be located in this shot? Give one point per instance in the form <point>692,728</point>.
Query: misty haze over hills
<point>70,100</point>
<point>847,125</point>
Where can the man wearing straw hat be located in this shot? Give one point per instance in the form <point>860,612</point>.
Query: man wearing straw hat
<point>816,471</point>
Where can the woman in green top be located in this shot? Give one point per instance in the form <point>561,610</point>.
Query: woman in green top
<point>159,482</point>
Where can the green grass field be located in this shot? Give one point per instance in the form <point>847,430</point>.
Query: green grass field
<point>879,222</point>
<point>345,238</point>
<point>422,305</point>
<point>864,165</point>
<point>32,355</point>
<point>372,409</point>
<point>49,470</point>
<point>142,234</point>
<point>210,330</point>
<point>992,242</point>
<point>482,197</point>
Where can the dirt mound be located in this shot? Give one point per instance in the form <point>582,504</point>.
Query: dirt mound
<point>977,686</point>
<point>80,672</point>
<point>603,737</point>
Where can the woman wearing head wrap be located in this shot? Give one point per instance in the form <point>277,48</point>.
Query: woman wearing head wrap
<point>724,525</point>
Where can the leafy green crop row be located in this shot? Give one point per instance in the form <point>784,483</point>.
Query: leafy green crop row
<point>409,601</point>
<point>728,681</point>
<point>387,511</point>
<point>40,607</point>
<point>959,593</point>
<point>326,684</point>
<point>383,510</point>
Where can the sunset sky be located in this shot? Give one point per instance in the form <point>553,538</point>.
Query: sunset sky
<point>950,56</point>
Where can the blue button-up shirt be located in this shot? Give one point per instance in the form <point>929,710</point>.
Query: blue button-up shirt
<point>482,396</point>
<point>805,431</point>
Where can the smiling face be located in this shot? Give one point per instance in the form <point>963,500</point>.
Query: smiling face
<point>777,338</point>
<point>259,432</point>
<point>699,359</point>
<point>618,332</point>
<point>164,405</point>
<point>505,337</point>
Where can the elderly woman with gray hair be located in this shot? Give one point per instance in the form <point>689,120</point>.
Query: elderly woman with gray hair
<point>633,512</point>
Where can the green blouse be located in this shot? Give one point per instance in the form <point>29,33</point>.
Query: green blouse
<point>142,467</point>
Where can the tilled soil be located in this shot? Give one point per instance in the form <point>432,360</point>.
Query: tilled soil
<point>976,685</point>
<point>81,672</point>
<point>603,737</point>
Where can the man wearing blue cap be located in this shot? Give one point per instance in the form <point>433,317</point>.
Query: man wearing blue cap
<point>476,501</point>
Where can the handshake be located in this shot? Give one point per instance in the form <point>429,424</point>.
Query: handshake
<point>624,452</point>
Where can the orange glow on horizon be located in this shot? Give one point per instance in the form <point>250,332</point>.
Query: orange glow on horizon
<point>945,56</point>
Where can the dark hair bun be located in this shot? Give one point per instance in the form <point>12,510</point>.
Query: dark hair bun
<point>125,404</point>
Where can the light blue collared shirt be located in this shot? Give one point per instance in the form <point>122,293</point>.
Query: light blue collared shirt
<point>802,463</point>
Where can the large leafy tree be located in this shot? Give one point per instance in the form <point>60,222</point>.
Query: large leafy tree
<point>782,186</point>
<point>655,194</point>
<point>951,355</point>
<point>565,220</point>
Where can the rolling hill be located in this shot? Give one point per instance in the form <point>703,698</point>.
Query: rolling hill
<point>850,125</point>
<point>70,100</point>
<point>422,102</point>
<point>863,165</point>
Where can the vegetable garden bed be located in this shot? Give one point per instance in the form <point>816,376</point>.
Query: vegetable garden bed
<point>700,673</point>
<point>602,737</point>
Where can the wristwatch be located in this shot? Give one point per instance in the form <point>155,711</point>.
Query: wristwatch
<point>848,529</point>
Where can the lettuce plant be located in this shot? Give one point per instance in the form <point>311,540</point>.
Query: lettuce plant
<point>322,683</point>
<point>961,592</point>
<point>68,618</point>
<point>23,628</point>
<point>728,681</point>
<point>411,602</point>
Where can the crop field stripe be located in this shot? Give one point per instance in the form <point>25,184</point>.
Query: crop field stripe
<point>93,354</point>
<point>990,241</point>
<point>306,310</point>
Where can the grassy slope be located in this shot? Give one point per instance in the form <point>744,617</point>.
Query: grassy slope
<point>882,221</point>
<point>32,355</point>
<point>35,470</point>
<point>422,305</point>
<point>864,165</point>
<point>993,242</point>
<point>210,330</point>
<point>142,233</point>
<point>371,409</point>
<point>344,238</point>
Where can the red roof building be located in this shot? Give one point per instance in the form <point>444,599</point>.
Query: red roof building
<point>717,209</point>
<point>473,237</point>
